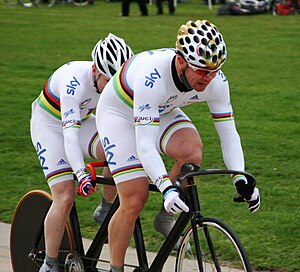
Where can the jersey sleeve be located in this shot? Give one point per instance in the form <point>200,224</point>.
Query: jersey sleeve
<point>71,123</point>
<point>222,115</point>
<point>147,120</point>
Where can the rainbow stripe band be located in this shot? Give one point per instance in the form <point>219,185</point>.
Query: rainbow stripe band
<point>168,129</point>
<point>221,117</point>
<point>121,86</point>
<point>49,101</point>
<point>91,145</point>
<point>127,169</point>
<point>59,173</point>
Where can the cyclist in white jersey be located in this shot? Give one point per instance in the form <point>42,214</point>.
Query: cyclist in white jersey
<point>63,132</point>
<point>143,102</point>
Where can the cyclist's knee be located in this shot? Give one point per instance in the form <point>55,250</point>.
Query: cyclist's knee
<point>63,195</point>
<point>189,153</point>
<point>133,195</point>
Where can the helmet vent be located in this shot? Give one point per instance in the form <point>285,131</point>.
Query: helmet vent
<point>192,49</point>
<point>200,32</point>
<point>207,23</point>
<point>214,59</point>
<point>187,39</point>
<point>209,35</point>
<point>204,41</point>
<point>191,31</point>
<point>201,52</point>
<point>196,39</point>
<point>193,24</point>
<point>204,27</point>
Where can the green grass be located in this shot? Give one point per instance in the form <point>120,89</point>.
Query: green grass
<point>263,72</point>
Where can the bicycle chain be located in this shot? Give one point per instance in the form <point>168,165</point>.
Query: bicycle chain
<point>86,258</point>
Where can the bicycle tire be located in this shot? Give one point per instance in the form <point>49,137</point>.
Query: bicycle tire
<point>26,223</point>
<point>230,254</point>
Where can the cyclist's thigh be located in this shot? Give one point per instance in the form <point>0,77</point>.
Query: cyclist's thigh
<point>118,141</point>
<point>171,123</point>
<point>89,138</point>
<point>47,138</point>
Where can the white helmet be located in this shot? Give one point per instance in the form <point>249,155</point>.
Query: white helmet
<point>109,54</point>
<point>201,45</point>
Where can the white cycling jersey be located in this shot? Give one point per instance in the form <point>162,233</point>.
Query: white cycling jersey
<point>63,128</point>
<point>141,104</point>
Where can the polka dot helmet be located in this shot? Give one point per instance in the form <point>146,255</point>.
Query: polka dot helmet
<point>201,45</point>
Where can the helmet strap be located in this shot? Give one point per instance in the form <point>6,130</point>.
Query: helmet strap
<point>96,83</point>
<point>185,81</point>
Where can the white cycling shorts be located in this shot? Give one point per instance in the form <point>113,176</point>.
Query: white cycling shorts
<point>120,149</point>
<point>48,140</point>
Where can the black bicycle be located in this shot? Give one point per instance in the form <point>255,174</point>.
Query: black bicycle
<point>207,244</point>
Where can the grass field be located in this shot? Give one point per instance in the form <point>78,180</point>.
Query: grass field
<point>263,72</point>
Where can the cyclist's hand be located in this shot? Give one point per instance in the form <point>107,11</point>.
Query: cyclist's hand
<point>84,186</point>
<point>173,204</point>
<point>247,193</point>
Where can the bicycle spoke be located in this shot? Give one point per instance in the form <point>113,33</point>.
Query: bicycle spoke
<point>220,250</point>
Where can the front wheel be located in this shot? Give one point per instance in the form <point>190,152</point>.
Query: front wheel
<point>219,249</point>
<point>27,245</point>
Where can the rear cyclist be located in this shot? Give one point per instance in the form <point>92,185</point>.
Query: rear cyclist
<point>63,132</point>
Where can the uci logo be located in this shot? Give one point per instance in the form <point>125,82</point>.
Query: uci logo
<point>145,120</point>
<point>150,80</point>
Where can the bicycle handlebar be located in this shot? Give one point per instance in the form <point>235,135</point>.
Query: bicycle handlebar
<point>190,170</point>
<point>92,165</point>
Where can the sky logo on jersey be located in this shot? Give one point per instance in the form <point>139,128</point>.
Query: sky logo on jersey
<point>109,154</point>
<point>71,87</point>
<point>39,151</point>
<point>150,80</point>
<point>67,113</point>
<point>144,107</point>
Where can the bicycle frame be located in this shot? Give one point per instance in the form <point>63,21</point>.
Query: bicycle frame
<point>189,171</point>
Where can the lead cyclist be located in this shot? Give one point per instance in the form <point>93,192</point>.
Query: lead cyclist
<point>143,101</point>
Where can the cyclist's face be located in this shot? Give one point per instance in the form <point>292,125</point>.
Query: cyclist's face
<point>199,79</point>
<point>99,79</point>
<point>101,82</point>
